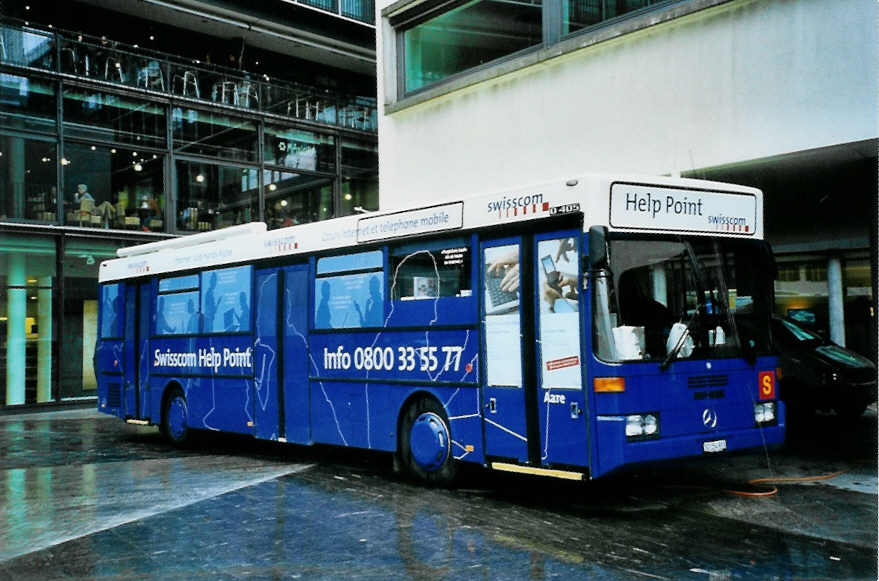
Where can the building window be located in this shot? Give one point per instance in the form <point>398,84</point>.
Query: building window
<point>297,149</point>
<point>438,40</point>
<point>212,134</point>
<point>101,116</point>
<point>82,258</point>
<point>28,173</point>
<point>293,198</point>
<point>359,177</point>
<point>580,14</point>
<point>466,37</point>
<point>27,335</point>
<point>215,196</point>
<point>816,271</point>
<point>113,187</point>
<point>788,272</point>
<point>27,48</point>
<point>27,103</point>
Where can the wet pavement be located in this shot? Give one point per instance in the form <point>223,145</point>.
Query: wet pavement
<point>85,496</point>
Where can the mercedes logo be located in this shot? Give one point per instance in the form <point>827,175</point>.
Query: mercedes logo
<point>709,418</point>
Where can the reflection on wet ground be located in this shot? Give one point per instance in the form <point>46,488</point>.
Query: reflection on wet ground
<point>89,497</point>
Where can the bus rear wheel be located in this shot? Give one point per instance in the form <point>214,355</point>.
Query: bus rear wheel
<point>426,444</point>
<point>175,418</point>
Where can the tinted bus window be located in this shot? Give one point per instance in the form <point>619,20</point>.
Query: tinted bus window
<point>225,300</point>
<point>432,270</point>
<point>111,316</point>
<point>348,301</point>
<point>179,283</point>
<point>177,314</point>
<point>349,262</point>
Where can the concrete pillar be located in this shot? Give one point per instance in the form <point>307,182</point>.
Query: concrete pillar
<point>44,343</point>
<point>16,311</point>
<point>660,286</point>
<point>835,301</point>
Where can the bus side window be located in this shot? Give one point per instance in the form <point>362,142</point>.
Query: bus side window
<point>177,306</point>
<point>430,270</point>
<point>346,300</point>
<point>111,311</point>
<point>225,300</point>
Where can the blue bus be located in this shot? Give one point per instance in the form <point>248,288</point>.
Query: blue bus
<point>568,330</point>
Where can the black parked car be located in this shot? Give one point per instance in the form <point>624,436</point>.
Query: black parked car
<point>817,374</point>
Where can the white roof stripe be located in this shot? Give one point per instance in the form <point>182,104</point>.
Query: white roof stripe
<point>589,193</point>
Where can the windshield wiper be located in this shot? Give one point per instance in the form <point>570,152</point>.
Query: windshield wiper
<point>683,339</point>
<point>696,275</point>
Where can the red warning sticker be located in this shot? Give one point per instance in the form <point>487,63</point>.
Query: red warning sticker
<point>562,363</point>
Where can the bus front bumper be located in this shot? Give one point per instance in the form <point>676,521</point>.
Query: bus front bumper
<point>616,451</point>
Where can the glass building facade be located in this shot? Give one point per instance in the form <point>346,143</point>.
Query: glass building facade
<point>104,145</point>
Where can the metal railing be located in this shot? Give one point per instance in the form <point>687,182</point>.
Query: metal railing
<point>107,61</point>
<point>360,10</point>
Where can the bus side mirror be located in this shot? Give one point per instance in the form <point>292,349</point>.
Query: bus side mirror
<point>597,247</point>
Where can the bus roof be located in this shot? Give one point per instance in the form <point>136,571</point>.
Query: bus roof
<point>622,203</point>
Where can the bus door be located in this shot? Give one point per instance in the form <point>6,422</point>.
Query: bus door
<point>280,382</point>
<point>558,309</point>
<point>506,333</point>
<point>134,347</point>
<point>266,398</point>
<point>295,358</point>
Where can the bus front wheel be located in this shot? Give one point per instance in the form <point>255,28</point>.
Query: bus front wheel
<point>426,444</point>
<point>175,419</point>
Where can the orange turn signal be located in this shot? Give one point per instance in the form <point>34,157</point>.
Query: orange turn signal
<point>609,384</point>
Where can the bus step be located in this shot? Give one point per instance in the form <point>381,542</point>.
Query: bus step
<point>567,475</point>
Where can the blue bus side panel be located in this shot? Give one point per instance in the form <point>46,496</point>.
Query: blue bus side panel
<point>428,312</point>
<point>462,408</point>
<point>505,427</point>
<point>129,357</point>
<point>215,403</point>
<point>340,414</point>
<point>143,346</point>
<point>108,358</point>
<point>216,374</point>
<point>364,415</point>
<point>429,356</point>
<point>296,355</point>
<point>265,352</point>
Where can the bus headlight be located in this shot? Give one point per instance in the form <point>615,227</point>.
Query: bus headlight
<point>764,413</point>
<point>641,426</point>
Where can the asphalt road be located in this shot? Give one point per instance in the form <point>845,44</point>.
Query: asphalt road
<point>86,496</point>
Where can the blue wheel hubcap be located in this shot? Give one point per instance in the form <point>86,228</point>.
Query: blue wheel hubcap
<point>429,441</point>
<point>177,417</point>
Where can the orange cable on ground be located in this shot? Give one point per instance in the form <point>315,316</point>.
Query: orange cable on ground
<point>781,480</point>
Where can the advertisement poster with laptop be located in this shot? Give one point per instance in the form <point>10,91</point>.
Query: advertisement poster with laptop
<point>502,331</point>
<point>559,325</point>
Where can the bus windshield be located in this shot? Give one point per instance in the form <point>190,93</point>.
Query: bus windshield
<point>683,297</point>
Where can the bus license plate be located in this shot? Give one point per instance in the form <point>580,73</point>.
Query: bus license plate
<point>714,446</point>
